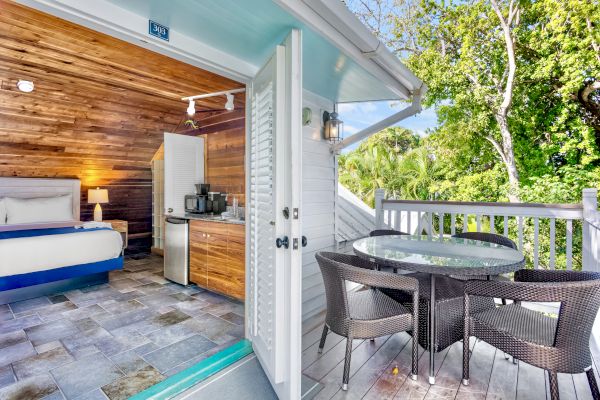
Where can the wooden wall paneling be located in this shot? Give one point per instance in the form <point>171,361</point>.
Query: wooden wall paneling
<point>99,110</point>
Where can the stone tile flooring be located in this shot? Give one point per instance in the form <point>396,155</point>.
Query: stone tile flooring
<point>112,340</point>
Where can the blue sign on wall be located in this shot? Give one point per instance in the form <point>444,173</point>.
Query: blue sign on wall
<point>158,30</point>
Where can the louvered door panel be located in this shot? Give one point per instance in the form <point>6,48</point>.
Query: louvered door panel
<point>262,218</point>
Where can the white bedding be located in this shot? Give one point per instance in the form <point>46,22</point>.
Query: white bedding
<point>38,253</point>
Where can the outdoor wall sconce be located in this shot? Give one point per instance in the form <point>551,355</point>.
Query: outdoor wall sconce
<point>334,127</point>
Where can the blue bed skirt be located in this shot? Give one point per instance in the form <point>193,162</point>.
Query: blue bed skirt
<point>34,284</point>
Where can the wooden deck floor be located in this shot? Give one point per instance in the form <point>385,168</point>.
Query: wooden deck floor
<point>492,376</point>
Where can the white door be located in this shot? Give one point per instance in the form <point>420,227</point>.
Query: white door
<point>274,282</point>
<point>184,167</point>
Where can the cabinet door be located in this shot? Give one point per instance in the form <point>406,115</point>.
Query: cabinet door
<point>198,254</point>
<point>217,270</point>
<point>236,246</point>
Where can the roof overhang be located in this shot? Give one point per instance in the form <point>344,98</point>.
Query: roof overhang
<point>343,61</point>
<point>334,21</point>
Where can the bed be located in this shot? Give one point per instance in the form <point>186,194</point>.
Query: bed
<point>41,249</point>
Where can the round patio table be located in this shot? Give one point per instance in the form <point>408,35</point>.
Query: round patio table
<point>437,255</point>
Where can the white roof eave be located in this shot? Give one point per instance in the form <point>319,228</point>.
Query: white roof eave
<point>333,20</point>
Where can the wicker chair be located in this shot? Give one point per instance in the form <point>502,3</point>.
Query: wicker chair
<point>487,237</point>
<point>369,313</point>
<point>449,295</point>
<point>490,238</point>
<point>386,232</point>
<point>556,345</point>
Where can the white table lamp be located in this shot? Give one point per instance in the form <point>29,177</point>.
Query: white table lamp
<point>97,196</point>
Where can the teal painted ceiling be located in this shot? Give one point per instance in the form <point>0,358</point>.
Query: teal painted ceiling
<point>250,30</point>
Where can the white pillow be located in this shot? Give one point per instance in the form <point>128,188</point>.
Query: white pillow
<point>2,212</point>
<point>42,209</point>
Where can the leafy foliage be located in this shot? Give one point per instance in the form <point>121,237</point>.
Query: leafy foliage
<point>461,51</point>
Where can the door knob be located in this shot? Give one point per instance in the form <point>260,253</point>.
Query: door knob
<point>284,241</point>
<point>304,241</point>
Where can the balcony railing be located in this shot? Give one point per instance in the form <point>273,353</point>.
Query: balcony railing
<point>552,236</point>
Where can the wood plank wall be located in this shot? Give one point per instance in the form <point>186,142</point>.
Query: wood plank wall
<point>99,110</point>
<point>225,152</point>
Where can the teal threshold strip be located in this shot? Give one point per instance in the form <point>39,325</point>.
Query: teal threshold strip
<point>180,382</point>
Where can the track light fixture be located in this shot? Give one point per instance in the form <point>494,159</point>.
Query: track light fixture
<point>229,104</point>
<point>191,110</point>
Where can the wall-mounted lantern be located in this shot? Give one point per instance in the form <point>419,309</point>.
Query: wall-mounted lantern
<point>334,127</point>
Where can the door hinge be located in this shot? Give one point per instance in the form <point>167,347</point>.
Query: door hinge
<point>295,245</point>
<point>295,213</point>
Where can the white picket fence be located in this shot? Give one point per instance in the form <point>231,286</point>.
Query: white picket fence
<point>441,217</point>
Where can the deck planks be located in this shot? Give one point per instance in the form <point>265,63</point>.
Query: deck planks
<point>492,376</point>
<point>377,365</point>
<point>360,355</point>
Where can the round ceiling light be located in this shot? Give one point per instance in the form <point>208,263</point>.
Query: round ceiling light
<point>25,86</point>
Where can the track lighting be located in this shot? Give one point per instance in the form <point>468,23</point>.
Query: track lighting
<point>229,106</point>
<point>191,110</point>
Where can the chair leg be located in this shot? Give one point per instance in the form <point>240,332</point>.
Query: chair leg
<point>346,377</point>
<point>466,335</point>
<point>415,359</point>
<point>552,377</point>
<point>323,338</point>
<point>593,384</point>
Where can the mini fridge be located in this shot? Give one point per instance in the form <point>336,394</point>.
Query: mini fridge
<point>177,250</point>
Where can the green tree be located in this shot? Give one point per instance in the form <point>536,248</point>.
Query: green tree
<point>516,84</point>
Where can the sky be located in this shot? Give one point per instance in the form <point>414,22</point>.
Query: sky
<point>357,116</point>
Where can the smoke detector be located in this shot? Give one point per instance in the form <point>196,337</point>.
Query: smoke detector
<point>25,86</point>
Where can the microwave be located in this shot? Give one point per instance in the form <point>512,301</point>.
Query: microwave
<point>195,203</point>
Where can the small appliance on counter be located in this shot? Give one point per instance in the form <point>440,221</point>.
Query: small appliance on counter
<point>205,202</point>
<point>216,203</point>
<point>196,203</point>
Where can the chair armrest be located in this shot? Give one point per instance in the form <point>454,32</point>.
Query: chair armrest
<point>520,291</point>
<point>380,279</point>
<point>537,275</point>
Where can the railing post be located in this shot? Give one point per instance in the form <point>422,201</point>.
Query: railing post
<point>590,256</point>
<point>379,196</point>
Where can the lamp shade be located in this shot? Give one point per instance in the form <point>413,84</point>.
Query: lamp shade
<point>97,196</point>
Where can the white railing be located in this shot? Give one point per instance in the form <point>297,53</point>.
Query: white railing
<point>551,235</point>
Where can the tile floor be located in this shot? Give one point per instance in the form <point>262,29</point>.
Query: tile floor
<point>112,340</point>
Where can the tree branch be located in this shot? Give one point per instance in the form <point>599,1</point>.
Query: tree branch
<point>510,51</point>
<point>498,148</point>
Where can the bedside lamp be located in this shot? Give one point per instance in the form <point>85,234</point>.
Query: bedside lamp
<point>97,196</point>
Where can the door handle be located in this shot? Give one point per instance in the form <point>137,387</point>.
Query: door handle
<point>304,241</point>
<point>284,241</point>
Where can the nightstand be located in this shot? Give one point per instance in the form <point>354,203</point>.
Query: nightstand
<point>120,226</point>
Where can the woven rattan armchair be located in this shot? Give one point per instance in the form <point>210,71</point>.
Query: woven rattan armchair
<point>490,238</point>
<point>487,237</point>
<point>369,313</point>
<point>556,345</point>
<point>386,232</point>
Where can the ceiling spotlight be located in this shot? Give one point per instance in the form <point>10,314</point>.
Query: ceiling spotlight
<point>191,110</point>
<point>25,86</point>
<point>229,106</point>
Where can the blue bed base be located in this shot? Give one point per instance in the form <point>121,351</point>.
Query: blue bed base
<point>34,284</point>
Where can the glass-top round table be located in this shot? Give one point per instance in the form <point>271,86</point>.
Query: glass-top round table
<point>437,255</point>
<point>441,256</point>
